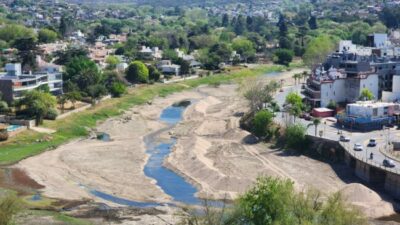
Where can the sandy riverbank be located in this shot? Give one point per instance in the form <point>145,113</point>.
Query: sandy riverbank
<point>210,152</point>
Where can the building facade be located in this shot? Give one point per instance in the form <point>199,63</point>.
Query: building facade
<point>13,84</point>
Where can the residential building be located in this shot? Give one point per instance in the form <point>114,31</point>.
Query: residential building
<point>333,85</point>
<point>14,83</point>
<point>166,67</point>
<point>150,53</point>
<point>368,115</point>
<point>352,68</point>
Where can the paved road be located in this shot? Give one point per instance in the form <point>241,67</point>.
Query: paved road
<point>330,131</point>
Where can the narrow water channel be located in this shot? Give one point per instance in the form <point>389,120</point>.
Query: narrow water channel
<point>171,183</point>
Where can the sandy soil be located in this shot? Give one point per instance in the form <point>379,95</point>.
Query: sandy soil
<point>211,152</point>
<point>114,167</point>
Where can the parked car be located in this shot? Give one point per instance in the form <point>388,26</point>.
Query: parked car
<point>372,143</point>
<point>388,163</point>
<point>307,117</point>
<point>344,138</point>
<point>390,125</point>
<point>358,147</point>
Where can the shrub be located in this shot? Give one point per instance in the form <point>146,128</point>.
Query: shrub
<point>331,105</point>
<point>51,114</point>
<point>117,89</point>
<point>3,135</point>
<point>137,72</point>
<point>262,124</point>
<point>275,201</point>
<point>4,107</point>
<point>9,206</point>
<point>283,56</point>
<point>295,137</point>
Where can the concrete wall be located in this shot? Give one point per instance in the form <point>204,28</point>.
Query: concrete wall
<point>390,96</point>
<point>392,185</point>
<point>376,176</point>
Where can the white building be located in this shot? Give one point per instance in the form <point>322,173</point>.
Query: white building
<point>166,67</point>
<point>369,109</point>
<point>394,95</point>
<point>13,84</point>
<point>150,53</point>
<point>335,86</point>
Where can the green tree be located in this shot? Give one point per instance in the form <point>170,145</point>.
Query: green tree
<point>225,20</point>
<point>240,25</point>
<point>27,51</point>
<point>137,72</point>
<point>117,89</point>
<point>73,97</point>
<point>366,95</point>
<point>62,100</point>
<point>295,136</point>
<point>154,74</point>
<point>313,23</point>
<point>64,57</point>
<point>112,61</point>
<point>96,91</point>
<point>37,104</point>
<point>258,94</point>
<point>66,25</point>
<point>83,72</point>
<point>317,50</point>
<point>295,104</point>
<point>4,107</point>
<point>185,66</point>
<point>268,202</point>
<point>331,105</point>
<point>12,32</point>
<point>262,123</point>
<point>47,36</point>
<point>283,56</point>
<point>244,47</point>
<point>316,122</point>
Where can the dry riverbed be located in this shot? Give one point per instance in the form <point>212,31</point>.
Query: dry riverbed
<point>211,152</point>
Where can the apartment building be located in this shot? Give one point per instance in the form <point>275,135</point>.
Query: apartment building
<point>352,68</point>
<point>338,86</point>
<point>14,83</point>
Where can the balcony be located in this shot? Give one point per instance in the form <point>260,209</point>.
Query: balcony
<point>311,94</point>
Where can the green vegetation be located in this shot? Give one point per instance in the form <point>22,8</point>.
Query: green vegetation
<point>274,201</point>
<point>37,104</point>
<point>295,104</point>
<point>283,56</point>
<point>316,122</point>
<point>295,137</point>
<point>56,216</point>
<point>262,123</point>
<point>9,206</point>
<point>366,95</point>
<point>74,126</point>
<point>47,36</point>
<point>137,72</point>
<point>318,49</point>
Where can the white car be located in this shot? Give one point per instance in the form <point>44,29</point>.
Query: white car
<point>358,147</point>
<point>344,138</point>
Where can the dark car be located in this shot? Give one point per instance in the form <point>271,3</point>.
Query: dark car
<point>388,163</point>
<point>372,143</point>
